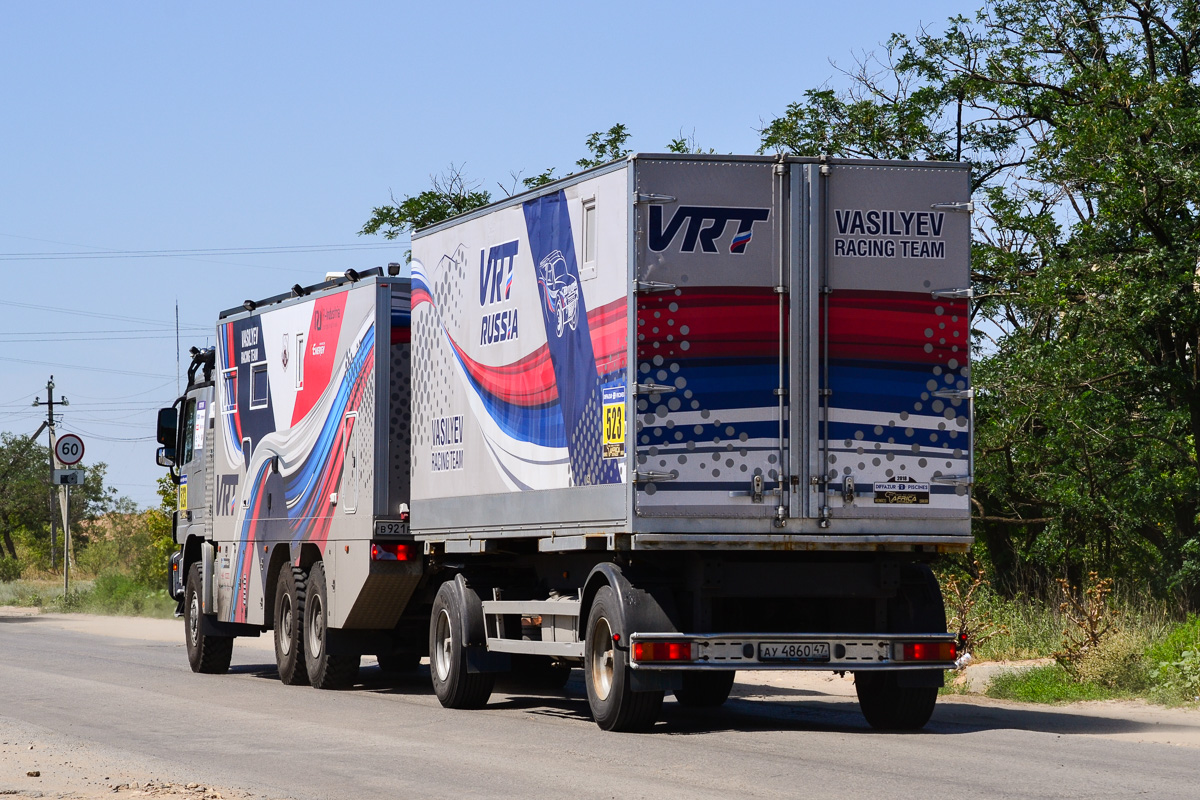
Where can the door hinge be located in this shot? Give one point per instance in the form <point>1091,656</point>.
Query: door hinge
<point>967,207</point>
<point>954,394</point>
<point>649,197</point>
<point>780,392</point>
<point>825,392</point>
<point>652,388</point>
<point>953,294</point>
<point>652,286</point>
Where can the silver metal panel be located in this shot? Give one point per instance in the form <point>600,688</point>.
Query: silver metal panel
<point>591,507</point>
<point>531,607</point>
<point>900,539</point>
<point>536,648</point>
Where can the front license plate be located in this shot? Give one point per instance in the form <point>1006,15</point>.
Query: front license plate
<point>802,652</point>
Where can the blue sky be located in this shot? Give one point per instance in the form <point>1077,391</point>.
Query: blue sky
<point>235,126</point>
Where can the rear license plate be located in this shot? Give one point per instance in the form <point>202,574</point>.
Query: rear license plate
<point>389,528</point>
<point>800,652</point>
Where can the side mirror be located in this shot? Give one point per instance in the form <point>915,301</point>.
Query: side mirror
<point>168,422</point>
<point>165,457</point>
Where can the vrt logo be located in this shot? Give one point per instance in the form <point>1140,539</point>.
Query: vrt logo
<point>660,238</point>
<point>496,273</point>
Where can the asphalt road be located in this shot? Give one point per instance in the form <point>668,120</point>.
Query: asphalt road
<point>137,699</point>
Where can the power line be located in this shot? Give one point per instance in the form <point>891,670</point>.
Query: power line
<point>207,251</point>
<point>75,312</point>
<point>50,338</point>
<point>88,369</point>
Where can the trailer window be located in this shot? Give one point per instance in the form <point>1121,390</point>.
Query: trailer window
<point>229,387</point>
<point>588,270</point>
<point>258,385</point>
<point>299,360</point>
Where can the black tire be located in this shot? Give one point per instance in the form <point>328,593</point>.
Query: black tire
<point>615,706</point>
<point>916,608</point>
<point>325,670</point>
<point>289,626</point>
<point>207,654</point>
<point>705,689</point>
<point>454,686</point>
<point>889,707</point>
<point>395,663</point>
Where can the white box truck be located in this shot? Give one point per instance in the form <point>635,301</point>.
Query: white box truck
<point>663,420</point>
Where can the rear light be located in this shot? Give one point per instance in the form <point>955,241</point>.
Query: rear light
<point>929,651</point>
<point>662,651</point>
<point>392,551</point>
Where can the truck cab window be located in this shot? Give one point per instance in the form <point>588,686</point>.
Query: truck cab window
<point>189,431</point>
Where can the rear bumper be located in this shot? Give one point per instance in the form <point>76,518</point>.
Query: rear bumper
<point>845,652</point>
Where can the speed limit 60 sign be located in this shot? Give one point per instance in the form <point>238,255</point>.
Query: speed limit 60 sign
<point>69,449</point>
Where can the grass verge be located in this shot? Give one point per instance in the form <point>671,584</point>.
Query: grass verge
<point>113,594</point>
<point>1047,684</point>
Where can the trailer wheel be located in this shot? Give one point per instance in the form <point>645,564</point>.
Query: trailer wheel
<point>325,670</point>
<point>454,686</point>
<point>705,689</point>
<point>890,707</point>
<point>615,706</point>
<point>289,628</point>
<point>207,654</point>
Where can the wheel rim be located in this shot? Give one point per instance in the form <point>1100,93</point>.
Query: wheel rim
<point>194,619</point>
<point>316,625</point>
<point>600,662</point>
<point>285,625</point>
<point>443,649</point>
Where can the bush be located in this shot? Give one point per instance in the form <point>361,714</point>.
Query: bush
<point>1175,662</point>
<point>10,569</point>
<point>1117,662</point>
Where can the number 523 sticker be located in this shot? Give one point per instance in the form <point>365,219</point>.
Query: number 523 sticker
<point>613,401</point>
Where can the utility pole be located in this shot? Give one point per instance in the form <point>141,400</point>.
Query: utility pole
<point>53,462</point>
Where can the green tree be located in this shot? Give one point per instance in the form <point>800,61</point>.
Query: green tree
<point>1082,121</point>
<point>452,193</point>
<point>24,497</point>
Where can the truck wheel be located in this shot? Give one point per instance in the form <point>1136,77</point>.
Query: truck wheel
<point>705,689</point>
<point>325,670</point>
<point>454,686</point>
<point>208,654</point>
<point>890,707</point>
<point>289,635</point>
<point>615,706</point>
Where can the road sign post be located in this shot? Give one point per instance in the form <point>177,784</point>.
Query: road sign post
<point>69,451</point>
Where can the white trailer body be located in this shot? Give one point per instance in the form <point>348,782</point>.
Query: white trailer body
<point>742,351</point>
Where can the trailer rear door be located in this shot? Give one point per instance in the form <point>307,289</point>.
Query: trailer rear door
<point>894,424</point>
<point>710,323</point>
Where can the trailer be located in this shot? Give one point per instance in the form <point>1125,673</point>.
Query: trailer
<point>663,420</point>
